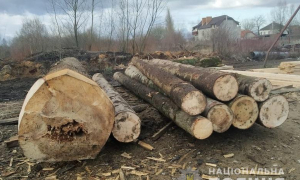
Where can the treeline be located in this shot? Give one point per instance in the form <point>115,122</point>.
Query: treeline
<point>133,26</point>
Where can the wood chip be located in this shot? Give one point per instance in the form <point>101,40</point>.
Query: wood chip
<point>126,155</point>
<point>210,164</point>
<point>6,174</point>
<point>158,172</point>
<point>51,178</point>
<point>12,142</point>
<point>48,169</point>
<point>145,145</point>
<point>173,171</point>
<point>138,173</point>
<point>11,162</point>
<point>127,168</point>
<point>291,170</point>
<point>122,175</point>
<point>88,169</point>
<point>106,174</point>
<point>228,155</point>
<point>156,159</point>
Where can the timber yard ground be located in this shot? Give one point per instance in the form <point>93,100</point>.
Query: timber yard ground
<point>255,147</point>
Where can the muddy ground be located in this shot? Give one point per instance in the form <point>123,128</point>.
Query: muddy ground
<point>255,147</point>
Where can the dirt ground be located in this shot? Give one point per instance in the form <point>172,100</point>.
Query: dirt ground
<point>255,147</point>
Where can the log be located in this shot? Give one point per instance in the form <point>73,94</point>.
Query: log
<point>140,107</point>
<point>127,126</point>
<point>186,96</point>
<point>273,112</point>
<point>197,126</point>
<point>216,84</point>
<point>220,114</point>
<point>257,88</point>
<point>12,142</point>
<point>136,74</point>
<point>245,110</point>
<point>65,116</point>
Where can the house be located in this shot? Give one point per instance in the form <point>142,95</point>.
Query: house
<point>247,34</point>
<point>271,29</point>
<point>205,29</point>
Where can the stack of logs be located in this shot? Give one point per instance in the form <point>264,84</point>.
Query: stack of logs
<point>67,115</point>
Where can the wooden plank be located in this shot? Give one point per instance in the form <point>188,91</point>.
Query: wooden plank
<point>276,79</point>
<point>10,121</point>
<point>285,90</point>
<point>269,70</point>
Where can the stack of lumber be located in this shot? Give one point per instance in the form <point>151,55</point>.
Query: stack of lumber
<point>290,67</point>
<point>228,98</point>
<point>275,79</point>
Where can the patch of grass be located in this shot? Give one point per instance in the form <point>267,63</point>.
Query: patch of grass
<point>108,71</point>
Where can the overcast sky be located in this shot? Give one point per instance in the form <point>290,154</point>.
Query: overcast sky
<point>186,13</point>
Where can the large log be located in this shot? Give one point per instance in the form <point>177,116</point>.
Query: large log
<point>186,96</point>
<point>257,88</point>
<point>65,116</point>
<point>216,84</point>
<point>220,114</point>
<point>273,112</point>
<point>127,126</point>
<point>197,126</point>
<point>245,110</point>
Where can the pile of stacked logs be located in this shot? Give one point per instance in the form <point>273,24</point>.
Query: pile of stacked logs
<point>68,115</point>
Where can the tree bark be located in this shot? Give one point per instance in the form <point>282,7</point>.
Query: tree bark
<point>186,96</point>
<point>245,110</point>
<point>216,84</point>
<point>220,114</point>
<point>197,126</point>
<point>65,116</point>
<point>273,112</point>
<point>257,88</point>
<point>127,126</point>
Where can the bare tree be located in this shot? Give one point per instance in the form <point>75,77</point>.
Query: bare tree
<point>34,33</point>
<point>279,13</point>
<point>259,21</point>
<point>75,10</point>
<point>248,24</point>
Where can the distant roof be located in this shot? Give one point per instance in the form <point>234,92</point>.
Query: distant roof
<point>245,32</point>
<point>215,21</point>
<point>271,26</point>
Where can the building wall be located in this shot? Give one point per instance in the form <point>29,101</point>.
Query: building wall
<point>229,25</point>
<point>249,36</point>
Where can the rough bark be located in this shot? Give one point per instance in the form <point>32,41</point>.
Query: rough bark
<point>257,88</point>
<point>245,110</point>
<point>197,126</point>
<point>65,116</point>
<point>216,84</point>
<point>273,112</point>
<point>219,114</point>
<point>186,96</point>
<point>127,126</point>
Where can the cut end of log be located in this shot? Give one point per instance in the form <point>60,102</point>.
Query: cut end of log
<point>202,128</point>
<point>221,117</point>
<point>260,90</point>
<point>274,111</point>
<point>194,103</point>
<point>127,127</point>
<point>65,118</point>
<point>245,110</point>
<point>226,87</point>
